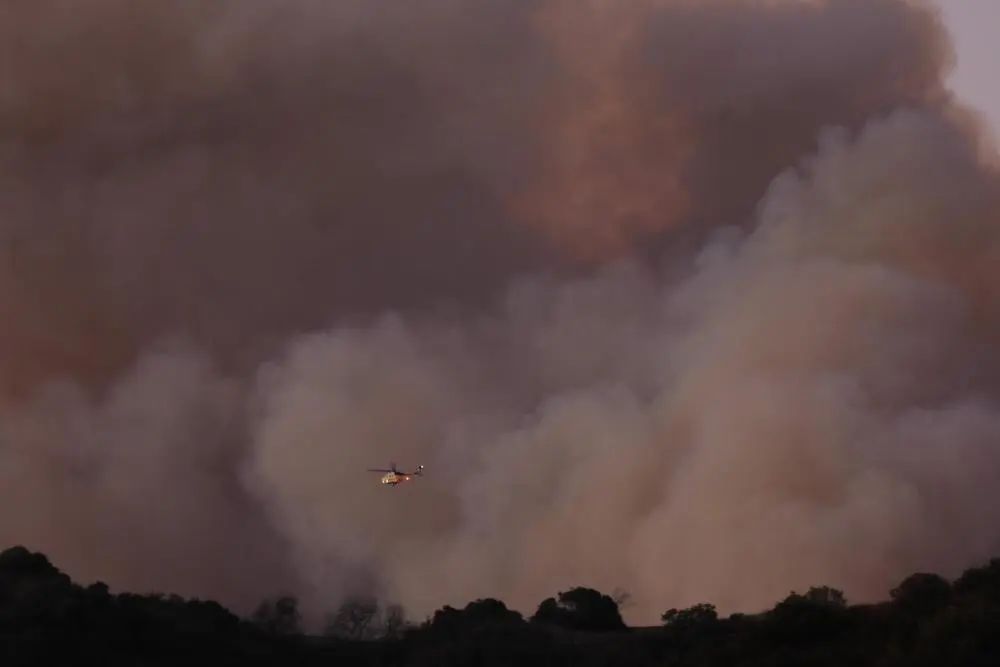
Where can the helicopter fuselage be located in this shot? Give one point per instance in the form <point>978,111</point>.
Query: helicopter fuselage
<point>394,478</point>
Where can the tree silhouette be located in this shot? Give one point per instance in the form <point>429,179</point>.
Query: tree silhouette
<point>580,609</point>
<point>981,581</point>
<point>46,619</point>
<point>818,614</point>
<point>279,616</point>
<point>921,593</point>
<point>476,614</point>
<point>354,619</point>
<point>698,615</point>
<point>826,597</point>
<point>393,621</point>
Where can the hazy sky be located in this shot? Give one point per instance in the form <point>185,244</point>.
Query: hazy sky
<point>973,24</point>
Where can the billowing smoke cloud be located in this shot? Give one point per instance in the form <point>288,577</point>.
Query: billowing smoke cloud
<point>814,402</point>
<point>685,298</point>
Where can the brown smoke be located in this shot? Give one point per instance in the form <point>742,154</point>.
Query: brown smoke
<point>677,109</point>
<point>690,298</point>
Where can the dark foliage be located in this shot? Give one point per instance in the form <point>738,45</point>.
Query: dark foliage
<point>46,619</point>
<point>921,594</point>
<point>480,614</point>
<point>820,614</point>
<point>279,616</point>
<point>691,625</point>
<point>693,617</point>
<point>580,609</point>
<point>983,582</point>
<point>354,619</point>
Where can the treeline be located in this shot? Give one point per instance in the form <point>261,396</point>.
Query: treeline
<point>46,619</point>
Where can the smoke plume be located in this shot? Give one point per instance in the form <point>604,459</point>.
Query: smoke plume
<point>691,299</point>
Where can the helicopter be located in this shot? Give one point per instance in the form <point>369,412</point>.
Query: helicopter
<point>392,476</point>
